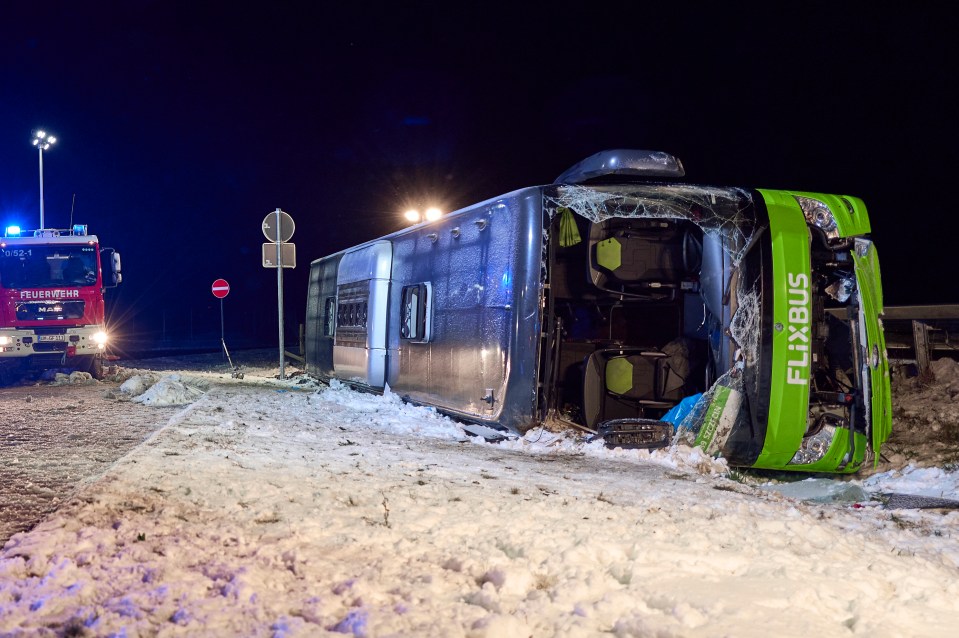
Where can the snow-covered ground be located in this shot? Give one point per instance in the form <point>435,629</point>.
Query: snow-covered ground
<point>286,508</point>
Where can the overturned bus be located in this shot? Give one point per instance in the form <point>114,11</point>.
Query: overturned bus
<point>626,303</point>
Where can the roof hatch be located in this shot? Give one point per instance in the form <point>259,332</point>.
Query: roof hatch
<point>623,162</point>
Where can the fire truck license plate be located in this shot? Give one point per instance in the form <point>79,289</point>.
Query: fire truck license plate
<point>52,338</point>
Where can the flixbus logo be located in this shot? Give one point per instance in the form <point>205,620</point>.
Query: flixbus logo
<point>797,362</point>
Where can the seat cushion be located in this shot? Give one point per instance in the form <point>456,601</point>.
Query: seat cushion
<point>631,376</point>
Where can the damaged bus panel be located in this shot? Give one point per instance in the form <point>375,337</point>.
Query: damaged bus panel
<point>624,302</point>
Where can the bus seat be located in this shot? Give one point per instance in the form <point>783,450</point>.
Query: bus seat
<point>637,256</point>
<point>629,382</point>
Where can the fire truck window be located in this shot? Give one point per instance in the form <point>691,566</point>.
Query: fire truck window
<point>73,272</point>
<point>45,267</point>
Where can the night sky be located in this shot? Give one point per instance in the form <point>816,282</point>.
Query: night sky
<point>182,124</point>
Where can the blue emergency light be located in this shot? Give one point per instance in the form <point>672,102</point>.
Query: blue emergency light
<point>12,231</point>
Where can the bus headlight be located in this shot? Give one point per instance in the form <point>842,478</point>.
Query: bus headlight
<point>819,215</point>
<point>100,338</point>
<point>814,447</point>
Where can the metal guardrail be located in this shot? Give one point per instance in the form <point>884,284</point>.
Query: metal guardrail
<point>945,312</point>
<point>919,334</point>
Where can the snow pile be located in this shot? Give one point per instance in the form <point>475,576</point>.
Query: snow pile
<point>74,378</point>
<point>389,411</point>
<point>930,481</point>
<point>137,385</point>
<point>170,390</point>
<point>680,457</point>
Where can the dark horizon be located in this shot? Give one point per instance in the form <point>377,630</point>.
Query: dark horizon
<point>181,126</point>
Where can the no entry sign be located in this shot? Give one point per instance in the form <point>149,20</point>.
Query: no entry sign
<point>221,288</point>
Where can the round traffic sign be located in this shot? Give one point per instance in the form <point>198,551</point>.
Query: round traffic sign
<point>278,226</point>
<point>221,288</point>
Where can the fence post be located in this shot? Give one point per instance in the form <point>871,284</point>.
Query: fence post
<point>920,337</point>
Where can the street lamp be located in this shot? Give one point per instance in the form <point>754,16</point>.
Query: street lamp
<point>42,141</point>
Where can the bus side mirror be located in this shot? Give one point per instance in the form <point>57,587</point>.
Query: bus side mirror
<point>110,261</point>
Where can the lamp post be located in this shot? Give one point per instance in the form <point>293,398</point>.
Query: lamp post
<point>42,141</point>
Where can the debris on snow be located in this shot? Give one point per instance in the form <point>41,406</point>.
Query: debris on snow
<point>820,490</point>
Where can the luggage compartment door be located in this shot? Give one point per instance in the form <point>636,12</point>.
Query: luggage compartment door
<point>362,306</point>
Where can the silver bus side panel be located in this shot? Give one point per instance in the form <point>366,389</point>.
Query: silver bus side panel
<point>483,265</point>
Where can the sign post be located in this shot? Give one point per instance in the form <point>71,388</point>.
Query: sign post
<point>278,228</point>
<point>220,289</point>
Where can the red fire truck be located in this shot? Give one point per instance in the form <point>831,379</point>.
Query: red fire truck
<point>51,300</point>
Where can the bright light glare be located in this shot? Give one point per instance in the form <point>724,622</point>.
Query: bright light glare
<point>433,214</point>
<point>13,230</point>
<point>412,215</point>
<point>42,140</point>
<point>5,341</point>
<point>99,338</point>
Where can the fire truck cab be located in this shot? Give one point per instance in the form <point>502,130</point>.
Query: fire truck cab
<point>52,314</point>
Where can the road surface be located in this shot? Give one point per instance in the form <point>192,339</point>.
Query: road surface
<point>54,438</point>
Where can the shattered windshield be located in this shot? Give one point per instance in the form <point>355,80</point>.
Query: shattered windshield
<point>718,211</point>
<point>48,266</point>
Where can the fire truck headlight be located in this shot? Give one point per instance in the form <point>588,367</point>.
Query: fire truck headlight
<point>4,341</point>
<point>100,338</point>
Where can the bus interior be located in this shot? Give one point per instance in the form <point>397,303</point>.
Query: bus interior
<point>627,326</point>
